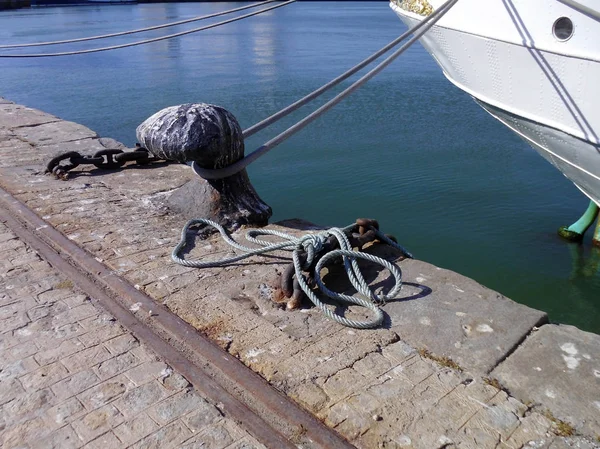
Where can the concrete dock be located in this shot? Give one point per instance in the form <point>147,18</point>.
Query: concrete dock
<point>455,364</point>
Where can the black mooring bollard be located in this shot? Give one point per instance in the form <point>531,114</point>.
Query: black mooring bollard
<point>211,136</point>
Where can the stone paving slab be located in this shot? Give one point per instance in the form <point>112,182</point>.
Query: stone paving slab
<point>559,368</point>
<point>454,316</point>
<point>54,132</point>
<point>379,388</point>
<point>17,116</point>
<point>72,377</point>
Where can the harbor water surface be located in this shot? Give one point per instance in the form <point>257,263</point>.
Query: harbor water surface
<point>454,185</point>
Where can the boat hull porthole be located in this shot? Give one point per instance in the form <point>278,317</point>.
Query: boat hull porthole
<point>563,29</point>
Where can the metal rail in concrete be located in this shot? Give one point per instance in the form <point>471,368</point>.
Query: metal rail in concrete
<point>268,415</point>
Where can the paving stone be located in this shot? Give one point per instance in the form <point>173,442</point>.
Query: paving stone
<point>96,322</point>
<point>366,403</point>
<point>16,321</point>
<point>175,382</point>
<point>87,357</point>
<point>215,437</point>
<point>175,406</point>
<point>105,441</point>
<point>451,315</point>
<point>119,345</point>
<point>310,396</point>
<point>166,437</point>
<point>205,415</point>
<point>558,367</point>
<point>63,332</point>
<point>54,132</point>
<point>247,443</point>
<point>110,330</point>
<point>44,377</point>
<point>21,435</point>
<point>17,352</point>
<point>141,353</point>
<point>25,407</point>
<point>97,422</point>
<point>14,116</point>
<point>116,365</point>
<point>74,315</point>
<point>11,244</point>
<point>53,295</point>
<point>106,332</point>
<point>534,427</point>
<point>63,438</point>
<point>574,442</point>
<point>139,398</point>
<point>148,371</point>
<point>44,310</point>
<point>73,301</point>
<point>75,384</point>
<point>53,354</point>
<point>105,392</point>
<point>373,365</point>
<point>10,389</point>
<point>65,412</point>
<point>135,429</point>
<point>17,307</point>
<point>343,384</point>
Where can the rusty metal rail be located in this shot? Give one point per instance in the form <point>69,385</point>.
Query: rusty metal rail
<point>268,415</point>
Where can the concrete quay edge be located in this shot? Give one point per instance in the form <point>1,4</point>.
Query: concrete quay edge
<point>448,346</point>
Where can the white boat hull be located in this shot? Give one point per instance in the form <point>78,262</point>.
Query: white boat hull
<point>505,55</point>
<point>567,153</point>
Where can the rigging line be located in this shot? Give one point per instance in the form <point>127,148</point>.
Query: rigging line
<point>268,146</point>
<point>582,9</point>
<point>140,30</point>
<point>314,94</point>
<point>147,41</point>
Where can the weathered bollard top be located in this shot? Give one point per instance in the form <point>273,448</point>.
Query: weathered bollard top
<point>199,132</point>
<point>211,136</point>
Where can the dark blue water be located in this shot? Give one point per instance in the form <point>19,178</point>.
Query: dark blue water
<point>456,187</point>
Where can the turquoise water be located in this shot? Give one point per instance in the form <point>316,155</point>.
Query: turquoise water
<point>456,187</point>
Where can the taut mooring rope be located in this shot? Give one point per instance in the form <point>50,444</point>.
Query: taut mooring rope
<point>148,41</point>
<point>140,30</point>
<point>311,244</point>
<point>420,29</point>
<point>593,13</point>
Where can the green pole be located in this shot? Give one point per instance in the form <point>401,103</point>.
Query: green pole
<point>596,239</point>
<point>574,233</point>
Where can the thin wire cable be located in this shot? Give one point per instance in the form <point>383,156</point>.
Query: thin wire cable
<point>140,30</point>
<point>147,41</point>
<point>268,146</point>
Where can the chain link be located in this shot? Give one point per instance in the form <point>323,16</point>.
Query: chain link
<point>109,159</point>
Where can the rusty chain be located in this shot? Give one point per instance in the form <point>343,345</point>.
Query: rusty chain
<point>109,159</point>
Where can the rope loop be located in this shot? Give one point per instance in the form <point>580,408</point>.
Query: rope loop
<point>311,253</point>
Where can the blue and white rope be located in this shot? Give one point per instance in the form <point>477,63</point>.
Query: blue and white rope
<point>312,245</point>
